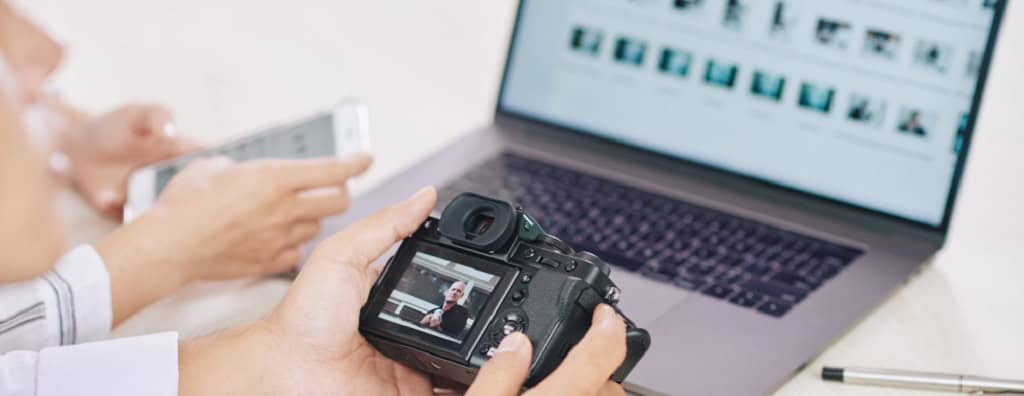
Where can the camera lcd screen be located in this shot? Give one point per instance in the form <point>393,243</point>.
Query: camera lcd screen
<point>440,298</point>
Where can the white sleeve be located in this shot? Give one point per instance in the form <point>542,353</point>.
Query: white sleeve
<point>69,305</point>
<point>146,365</point>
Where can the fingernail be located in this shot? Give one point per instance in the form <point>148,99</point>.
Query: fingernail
<point>423,192</point>
<point>170,130</point>
<point>513,342</point>
<point>106,198</point>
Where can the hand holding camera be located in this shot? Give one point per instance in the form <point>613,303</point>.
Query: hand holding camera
<point>329,353</point>
<point>484,271</point>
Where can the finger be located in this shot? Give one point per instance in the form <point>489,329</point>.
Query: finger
<point>301,233</point>
<point>358,245</point>
<point>315,173</point>
<point>155,121</point>
<point>320,203</point>
<point>505,373</point>
<point>184,145</point>
<point>285,260</point>
<point>593,360</point>
<point>108,200</point>
<point>212,164</point>
<point>143,120</point>
<point>611,388</point>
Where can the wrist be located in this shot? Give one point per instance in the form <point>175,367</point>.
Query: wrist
<point>143,267</point>
<point>235,362</point>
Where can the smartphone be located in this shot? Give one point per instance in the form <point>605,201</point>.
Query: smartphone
<point>338,133</point>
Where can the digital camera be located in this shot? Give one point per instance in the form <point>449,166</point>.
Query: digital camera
<point>484,270</point>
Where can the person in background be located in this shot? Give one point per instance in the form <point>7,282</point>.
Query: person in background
<point>215,220</point>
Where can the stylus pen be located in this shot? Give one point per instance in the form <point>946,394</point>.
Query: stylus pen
<point>927,381</point>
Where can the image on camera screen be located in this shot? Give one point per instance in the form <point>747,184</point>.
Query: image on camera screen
<point>439,297</point>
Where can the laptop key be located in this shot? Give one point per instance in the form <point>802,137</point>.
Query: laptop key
<point>775,308</point>
<point>719,291</point>
<point>747,299</point>
<point>775,290</point>
<point>794,280</point>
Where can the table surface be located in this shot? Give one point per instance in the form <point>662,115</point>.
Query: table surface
<point>430,72</point>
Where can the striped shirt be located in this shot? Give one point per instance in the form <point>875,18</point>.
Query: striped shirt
<point>41,320</point>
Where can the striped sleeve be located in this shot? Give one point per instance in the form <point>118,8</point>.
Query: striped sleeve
<point>69,305</point>
<point>146,365</point>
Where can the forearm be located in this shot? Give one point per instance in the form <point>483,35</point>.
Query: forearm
<point>142,268</point>
<point>235,362</point>
<point>31,235</point>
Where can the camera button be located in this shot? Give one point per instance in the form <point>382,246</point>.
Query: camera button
<point>526,278</point>
<point>548,261</point>
<point>513,317</point>
<point>518,295</point>
<point>571,266</point>
<point>529,253</point>
<point>485,349</point>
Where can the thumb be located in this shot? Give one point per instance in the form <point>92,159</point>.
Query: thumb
<point>505,373</point>
<point>156,121</point>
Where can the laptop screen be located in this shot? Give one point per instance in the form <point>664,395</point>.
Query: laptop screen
<point>865,102</point>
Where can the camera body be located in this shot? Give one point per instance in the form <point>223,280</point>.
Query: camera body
<point>485,269</point>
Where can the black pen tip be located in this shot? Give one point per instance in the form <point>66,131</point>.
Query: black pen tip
<point>832,374</point>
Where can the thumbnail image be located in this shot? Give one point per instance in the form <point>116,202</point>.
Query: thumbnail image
<point>881,44</point>
<point>768,85</point>
<point>961,133</point>
<point>816,97</point>
<point>783,19</point>
<point>915,122</point>
<point>675,61</point>
<point>933,55</point>
<point>721,74</point>
<point>630,51</point>
<point>735,10</point>
<point>973,64</point>
<point>833,33</point>
<point>687,5</point>
<point>586,40</point>
<point>866,110</point>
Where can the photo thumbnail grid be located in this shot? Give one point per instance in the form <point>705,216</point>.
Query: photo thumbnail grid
<point>833,33</point>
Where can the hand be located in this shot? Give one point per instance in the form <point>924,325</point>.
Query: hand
<point>311,344</point>
<point>221,220</point>
<point>103,151</point>
<point>585,371</point>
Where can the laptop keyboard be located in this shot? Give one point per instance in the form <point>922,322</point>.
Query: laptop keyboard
<point>745,262</point>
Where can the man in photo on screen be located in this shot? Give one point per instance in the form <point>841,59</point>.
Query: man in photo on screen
<point>450,317</point>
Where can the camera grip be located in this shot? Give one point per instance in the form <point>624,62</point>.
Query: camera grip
<point>637,342</point>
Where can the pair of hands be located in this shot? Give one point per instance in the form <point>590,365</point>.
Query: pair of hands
<point>311,343</point>
<point>220,220</point>
<point>215,220</point>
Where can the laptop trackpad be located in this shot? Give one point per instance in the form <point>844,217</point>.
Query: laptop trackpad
<point>645,300</point>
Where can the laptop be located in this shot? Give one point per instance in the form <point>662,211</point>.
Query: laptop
<point>760,174</point>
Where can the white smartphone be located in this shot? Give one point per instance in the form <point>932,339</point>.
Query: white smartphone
<point>341,132</point>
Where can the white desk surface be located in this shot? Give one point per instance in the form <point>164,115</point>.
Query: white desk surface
<point>430,71</point>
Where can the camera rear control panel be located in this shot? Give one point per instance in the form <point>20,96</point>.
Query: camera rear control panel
<point>543,258</point>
